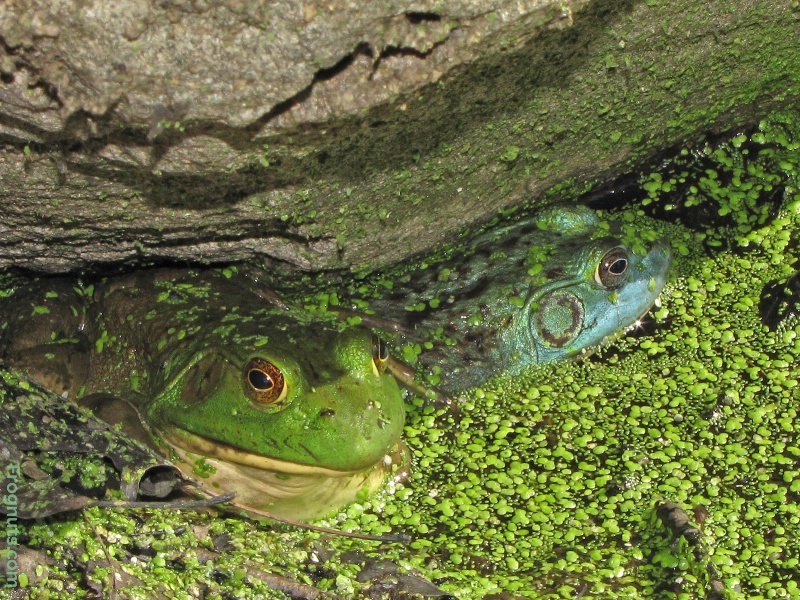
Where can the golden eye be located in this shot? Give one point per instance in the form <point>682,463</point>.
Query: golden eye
<point>613,268</point>
<point>263,382</point>
<point>380,354</point>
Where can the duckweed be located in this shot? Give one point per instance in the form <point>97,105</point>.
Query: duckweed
<point>702,412</point>
<point>546,485</point>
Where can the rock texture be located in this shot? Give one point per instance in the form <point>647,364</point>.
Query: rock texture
<point>327,135</point>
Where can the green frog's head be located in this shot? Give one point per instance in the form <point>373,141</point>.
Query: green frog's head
<point>296,403</point>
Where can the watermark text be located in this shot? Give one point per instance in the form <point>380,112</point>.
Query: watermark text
<point>10,505</point>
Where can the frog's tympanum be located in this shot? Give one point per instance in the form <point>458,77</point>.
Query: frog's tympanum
<point>520,295</point>
<point>295,415</point>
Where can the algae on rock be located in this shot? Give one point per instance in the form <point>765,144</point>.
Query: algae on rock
<point>320,137</point>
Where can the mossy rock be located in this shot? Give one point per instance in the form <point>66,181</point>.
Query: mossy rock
<point>292,144</point>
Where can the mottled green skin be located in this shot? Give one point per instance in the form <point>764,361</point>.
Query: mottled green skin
<point>176,344</point>
<point>524,294</point>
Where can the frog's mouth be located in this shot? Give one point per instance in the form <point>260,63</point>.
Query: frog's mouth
<point>195,444</point>
<point>282,488</point>
<point>294,491</point>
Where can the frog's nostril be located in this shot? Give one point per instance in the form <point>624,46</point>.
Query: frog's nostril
<point>327,412</point>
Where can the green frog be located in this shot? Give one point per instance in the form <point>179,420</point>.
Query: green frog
<point>545,288</point>
<point>295,414</point>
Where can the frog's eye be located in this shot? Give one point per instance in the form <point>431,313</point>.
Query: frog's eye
<point>263,382</point>
<point>613,268</point>
<point>380,354</point>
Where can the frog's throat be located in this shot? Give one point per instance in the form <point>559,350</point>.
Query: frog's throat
<point>614,336</point>
<point>199,445</point>
<point>300,497</point>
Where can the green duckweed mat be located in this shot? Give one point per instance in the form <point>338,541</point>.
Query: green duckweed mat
<point>547,486</point>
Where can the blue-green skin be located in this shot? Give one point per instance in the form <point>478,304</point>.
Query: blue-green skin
<point>176,345</point>
<point>522,295</point>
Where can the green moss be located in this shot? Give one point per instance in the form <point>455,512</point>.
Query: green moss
<point>553,111</point>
